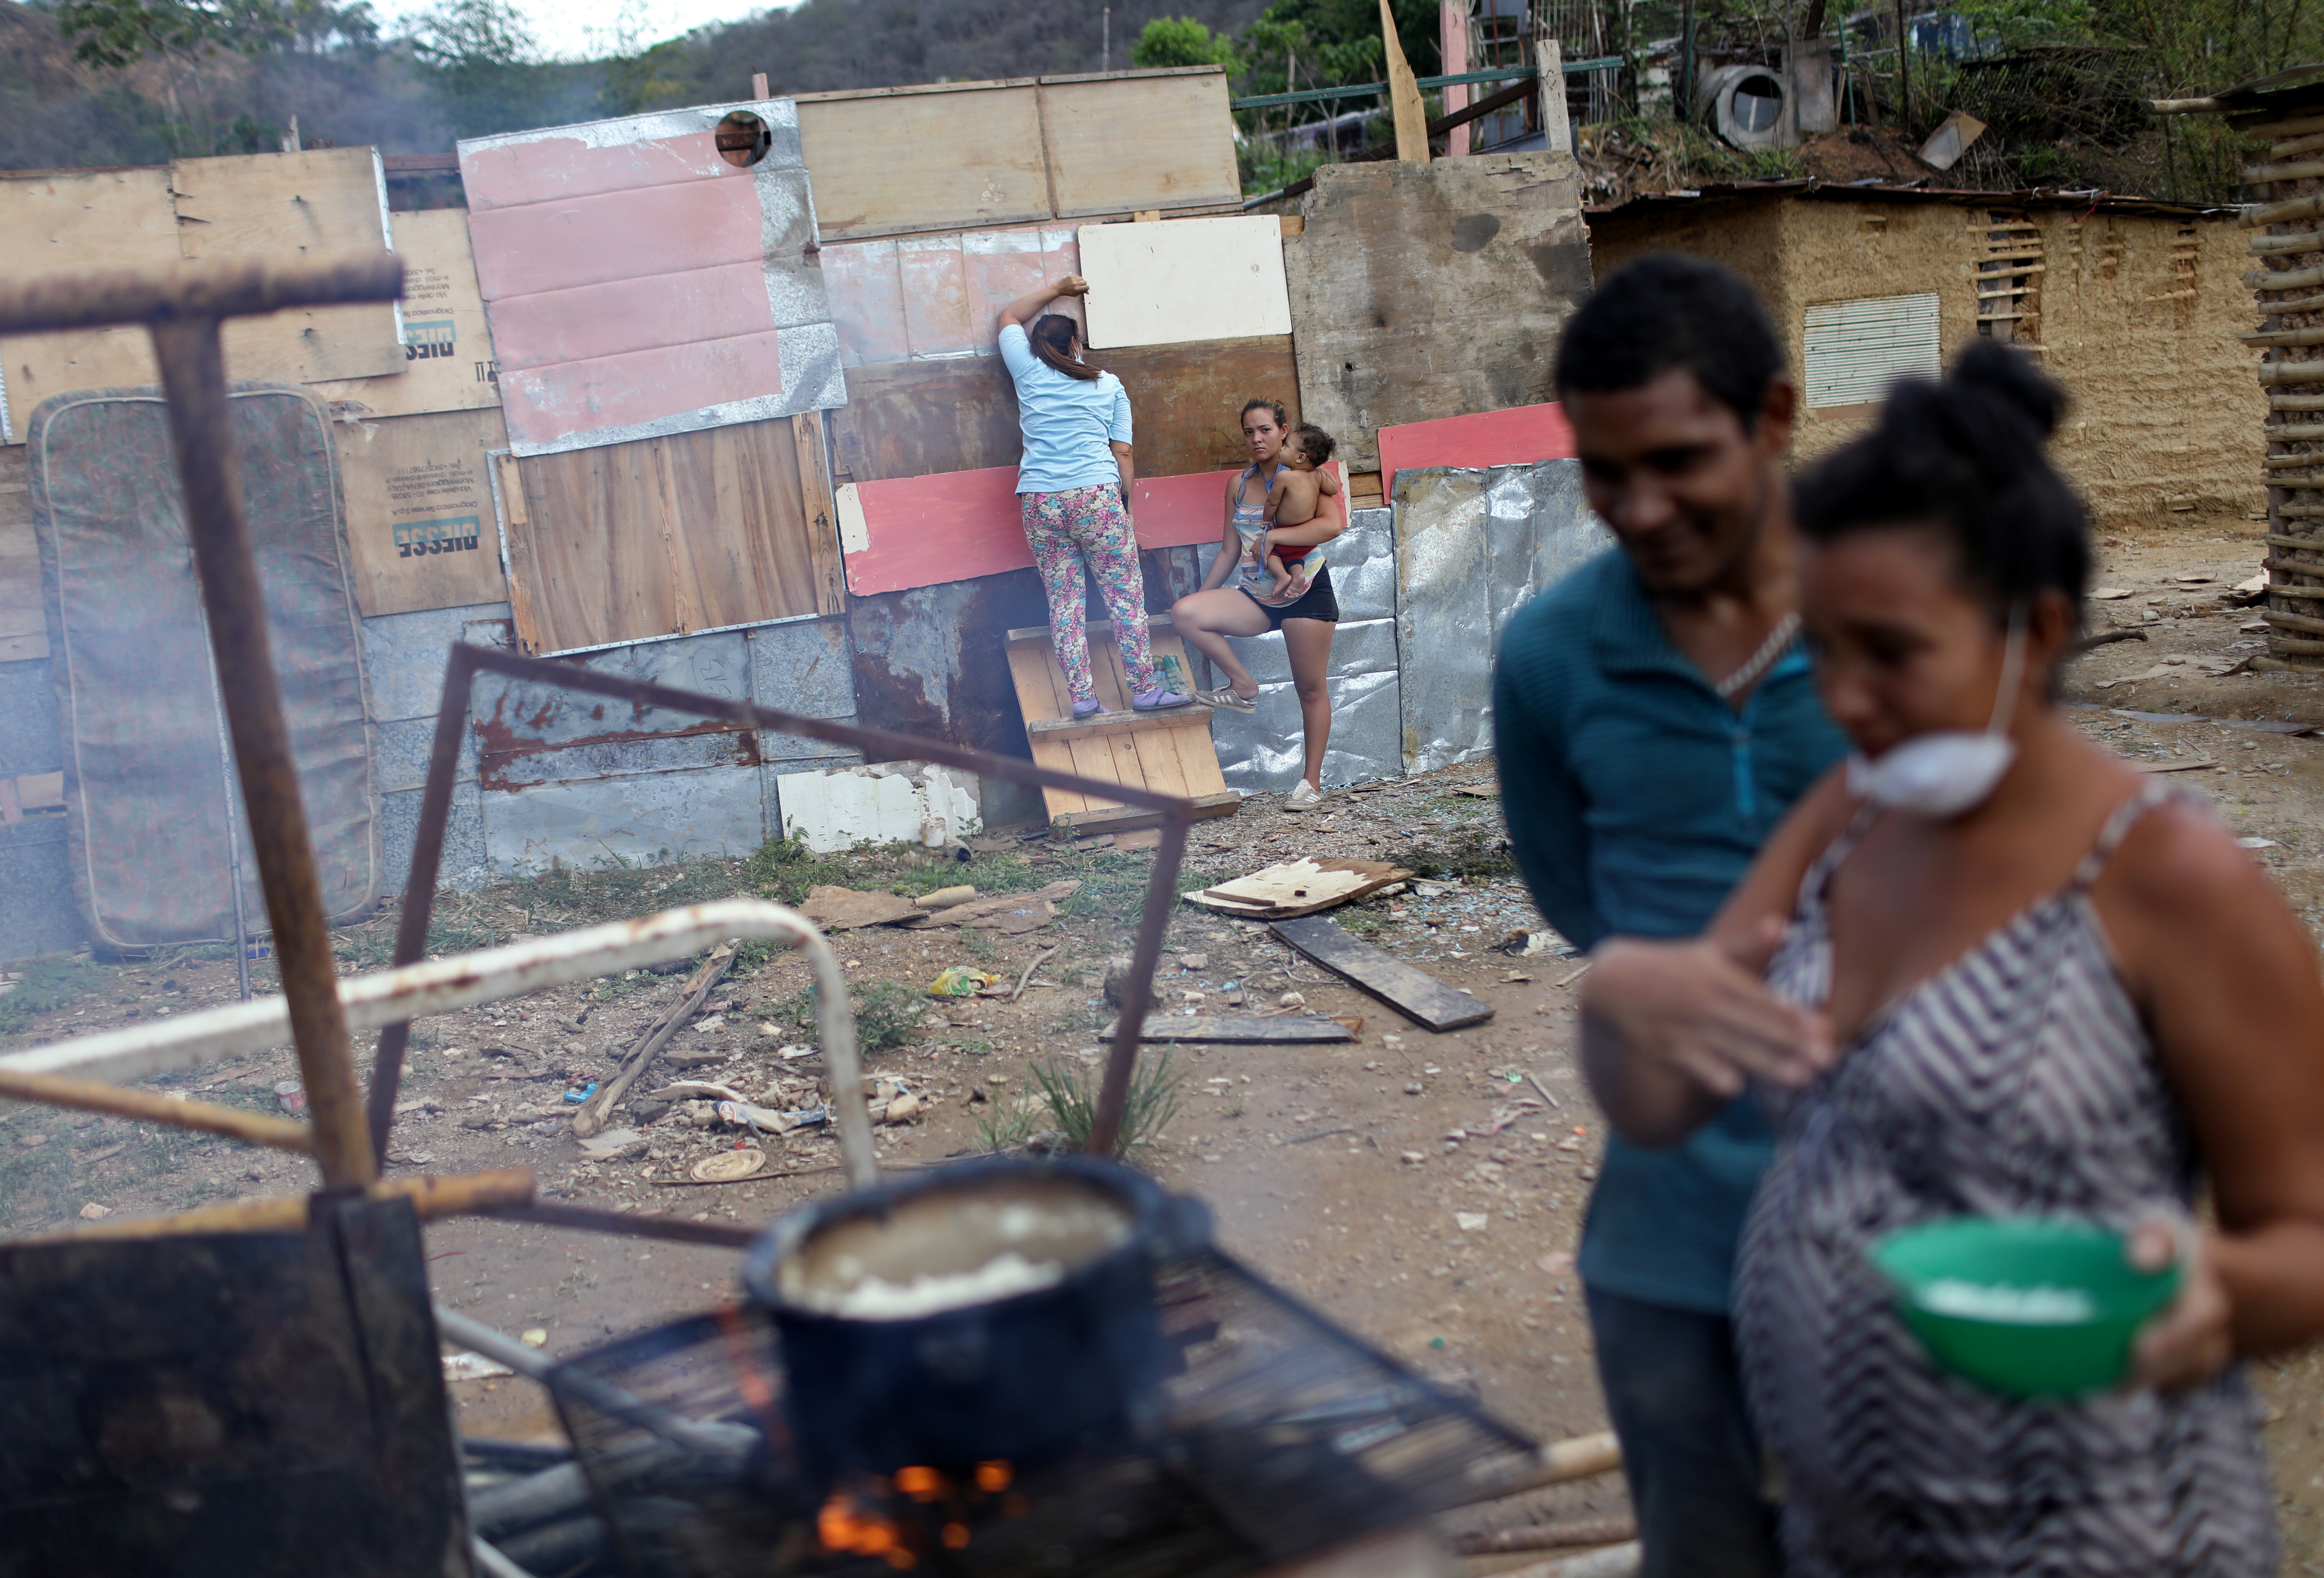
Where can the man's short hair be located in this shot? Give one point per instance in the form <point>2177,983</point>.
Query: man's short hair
<point>1666,310</point>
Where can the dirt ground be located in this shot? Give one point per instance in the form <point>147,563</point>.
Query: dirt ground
<point>1425,1190</point>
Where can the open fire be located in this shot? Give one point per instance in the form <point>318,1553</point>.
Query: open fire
<point>853,1521</point>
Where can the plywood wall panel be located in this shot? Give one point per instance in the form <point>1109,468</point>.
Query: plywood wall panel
<point>623,542</point>
<point>1124,143</point>
<point>422,532</point>
<point>891,164</point>
<point>1420,291</point>
<point>311,204</point>
<point>1185,402</point>
<point>1174,281</point>
<point>75,220</point>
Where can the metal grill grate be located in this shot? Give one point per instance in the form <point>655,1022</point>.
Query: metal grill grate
<point>1284,1437</point>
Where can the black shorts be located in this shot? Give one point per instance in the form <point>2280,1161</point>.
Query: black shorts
<point>1317,602</point>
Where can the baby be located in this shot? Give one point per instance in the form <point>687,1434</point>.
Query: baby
<point>1306,486</point>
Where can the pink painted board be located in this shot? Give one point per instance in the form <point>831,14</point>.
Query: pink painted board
<point>615,235</point>
<point>546,404</point>
<point>631,315</point>
<point>955,525</point>
<point>936,297</point>
<point>547,170</point>
<point>1518,435</point>
<point>1002,265</point>
<point>866,294</point>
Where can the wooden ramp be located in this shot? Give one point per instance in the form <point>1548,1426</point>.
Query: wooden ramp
<point>1168,753</point>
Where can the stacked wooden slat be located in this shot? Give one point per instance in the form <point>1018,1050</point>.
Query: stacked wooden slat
<point>2009,279</point>
<point>2288,248</point>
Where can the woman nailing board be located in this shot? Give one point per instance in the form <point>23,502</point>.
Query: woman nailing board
<point>1072,486</point>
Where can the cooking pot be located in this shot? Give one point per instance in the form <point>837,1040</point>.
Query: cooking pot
<point>996,1310</point>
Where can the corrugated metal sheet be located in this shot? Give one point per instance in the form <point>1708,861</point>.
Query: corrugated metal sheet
<point>638,285</point>
<point>1856,349</point>
<point>1472,546</point>
<point>1264,751</point>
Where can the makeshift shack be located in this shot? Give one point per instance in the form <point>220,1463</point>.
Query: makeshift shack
<point>2134,305</point>
<point>711,396</point>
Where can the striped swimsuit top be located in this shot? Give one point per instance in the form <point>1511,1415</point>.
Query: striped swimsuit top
<point>1251,528</point>
<point>2016,1081</point>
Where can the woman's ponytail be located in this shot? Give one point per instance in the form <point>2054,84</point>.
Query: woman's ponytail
<point>1052,340</point>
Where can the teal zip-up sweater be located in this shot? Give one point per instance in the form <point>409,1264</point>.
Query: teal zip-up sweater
<point>1636,798</point>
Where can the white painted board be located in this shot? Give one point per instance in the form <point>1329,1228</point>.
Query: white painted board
<point>835,809</point>
<point>1174,281</point>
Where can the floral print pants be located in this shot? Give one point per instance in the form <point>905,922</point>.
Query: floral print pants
<point>1088,527</point>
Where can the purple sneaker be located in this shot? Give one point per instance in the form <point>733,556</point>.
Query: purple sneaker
<point>1083,709</point>
<point>1156,699</point>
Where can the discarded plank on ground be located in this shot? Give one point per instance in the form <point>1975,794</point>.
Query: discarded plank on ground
<point>1298,887</point>
<point>1563,1534</point>
<point>594,1113</point>
<point>1006,913</point>
<point>1280,1029</point>
<point>1412,992</point>
<point>837,909</point>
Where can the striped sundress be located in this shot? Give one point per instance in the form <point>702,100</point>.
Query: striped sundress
<point>2016,1081</point>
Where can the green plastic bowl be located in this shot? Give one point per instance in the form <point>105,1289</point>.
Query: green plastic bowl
<point>2025,1307</point>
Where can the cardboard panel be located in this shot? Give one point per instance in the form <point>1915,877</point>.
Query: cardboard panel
<point>447,356</point>
<point>1168,283</point>
<point>1159,141</point>
<point>920,531</point>
<point>24,625</point>
<point>638,290</point>
<point>63,220</point>
<point>293,204</point>
<point>421,529</point>
<point>952,156</point>
<point>1519,436</point>
<point>694,531</point>
<point>1422,291</point>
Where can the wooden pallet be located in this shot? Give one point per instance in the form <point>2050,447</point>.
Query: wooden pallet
<point>1169,753</point>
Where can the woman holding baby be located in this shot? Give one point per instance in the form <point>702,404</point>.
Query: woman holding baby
<point>1280,510</point>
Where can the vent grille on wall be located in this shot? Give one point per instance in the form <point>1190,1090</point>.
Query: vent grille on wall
<point>2009,280</point>
<point>1856,349</point>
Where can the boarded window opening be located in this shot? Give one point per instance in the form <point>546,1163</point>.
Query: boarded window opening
<point>1856,349</point>
<point>2009,280</point>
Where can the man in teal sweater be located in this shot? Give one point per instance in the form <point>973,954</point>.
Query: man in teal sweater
<point>1656,717</point>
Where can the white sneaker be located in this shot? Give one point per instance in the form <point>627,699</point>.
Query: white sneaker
<point>1305,796</point>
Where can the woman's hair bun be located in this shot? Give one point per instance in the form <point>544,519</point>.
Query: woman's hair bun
<point>2004,374</point>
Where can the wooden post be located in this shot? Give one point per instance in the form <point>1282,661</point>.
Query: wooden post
<point>1549,60</point>
<point>757,84</point>
<point>1452,45</point>
<point>1404,96</point>
<point>1904,71</point>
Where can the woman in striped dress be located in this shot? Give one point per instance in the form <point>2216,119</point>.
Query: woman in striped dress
<point>2044,988</point>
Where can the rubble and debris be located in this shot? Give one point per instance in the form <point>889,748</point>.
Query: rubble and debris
<point>843,909</point>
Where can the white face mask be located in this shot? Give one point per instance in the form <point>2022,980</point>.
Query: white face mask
<point>1949,770</point>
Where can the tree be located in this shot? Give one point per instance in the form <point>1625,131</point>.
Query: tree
<point>1180,41</point>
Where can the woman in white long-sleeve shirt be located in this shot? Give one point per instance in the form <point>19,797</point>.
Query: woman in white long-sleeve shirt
<point>1072,485</point>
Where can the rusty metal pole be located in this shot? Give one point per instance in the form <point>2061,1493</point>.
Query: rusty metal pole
<point>201,429</point>
<point>1138,995</point>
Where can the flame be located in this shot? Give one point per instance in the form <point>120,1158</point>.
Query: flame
<point>855,1527</point>
<point>993,1477</point>
<point>841,1527</point>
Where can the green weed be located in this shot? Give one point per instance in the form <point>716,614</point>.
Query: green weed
<point>1479,850</point>
<point>48,984</point>
<point>1070,1091</point>
<point>886,1012</point>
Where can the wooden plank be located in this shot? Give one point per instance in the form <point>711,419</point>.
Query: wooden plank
<point>448,354</point>
<point>420,529</point>
<point>1186,403</point>
<point>976,161</point>
<point>59,221</point>
<point>1123,818</point>
<point>1519,436</point>
<point>1244,1029</point>
<point>1159,758</point>
<point>1098,723</point>
<point>819,518</point>
<point>1200,756</point>
<point>1421,291</point>
<point>307,204</point>
<point>1168,284</point>
<point>1119,143</point>
<point>1412,992</point>
<point>24,616</point>
<point>739,526</point>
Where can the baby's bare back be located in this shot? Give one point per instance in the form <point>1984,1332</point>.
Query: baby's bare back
<point>1302,497</point>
